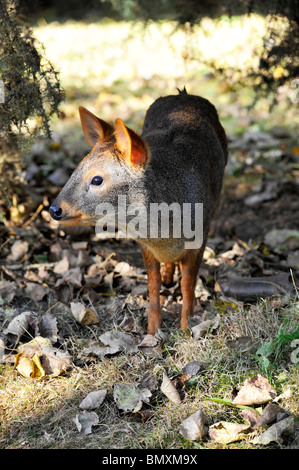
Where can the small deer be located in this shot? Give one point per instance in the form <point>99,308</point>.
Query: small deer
<point>178,162</point>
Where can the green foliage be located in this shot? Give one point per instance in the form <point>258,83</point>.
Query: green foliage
<point>278,60</point>
<point>271,350</point>
<point>31,84</point>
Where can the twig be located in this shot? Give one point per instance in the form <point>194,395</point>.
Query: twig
<point>33,217</point>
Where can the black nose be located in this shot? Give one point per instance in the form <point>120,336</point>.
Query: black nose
<point>55,212</point>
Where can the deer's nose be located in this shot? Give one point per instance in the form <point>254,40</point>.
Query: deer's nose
<point>55,212</point>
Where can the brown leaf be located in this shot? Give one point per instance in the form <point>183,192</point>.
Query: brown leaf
<point>55,361</point>
<point>61,266</point>
<point>29,366</point>
<point>168,388</point>
<point>93,400</point>
<point>254,391</point>
<point>275,432</point>
<point>269,415</point>
<point>83,315</point>
<point>36,292</point>
<point>251,416</point>
<point>193,427</point>
<point>145,414</point>
<point>38,358</point>
<point>85,420</point>
<point>19,325</point>
<point>18,250</point>
<point>225,432</point>
<point>149,381</point>
<point>180,382</point>
<point>119,341</point>
<point>149,341</point>
<point>7,291</point>
<point>48,327</point>
<point>72,276</point>
<point>241,344</point>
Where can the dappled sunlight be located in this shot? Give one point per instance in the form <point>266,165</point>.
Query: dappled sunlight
<point>117,69</point>
<point>84,311</point>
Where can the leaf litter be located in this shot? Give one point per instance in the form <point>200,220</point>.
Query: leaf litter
<point>42,267</point>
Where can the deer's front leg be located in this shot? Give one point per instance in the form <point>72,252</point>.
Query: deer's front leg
<point>154,284</point>
<point>189,266</point>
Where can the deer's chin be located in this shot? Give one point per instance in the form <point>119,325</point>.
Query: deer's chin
<point>78,220</point>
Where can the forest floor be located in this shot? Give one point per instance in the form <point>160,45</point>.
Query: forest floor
<point>86,300</point>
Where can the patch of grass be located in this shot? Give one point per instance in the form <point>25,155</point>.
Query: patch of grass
<point>41,414</point>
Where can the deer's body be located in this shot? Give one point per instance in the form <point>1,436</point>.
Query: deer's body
<point>179,159</point>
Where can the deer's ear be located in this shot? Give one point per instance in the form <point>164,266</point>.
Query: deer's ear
<point>132,147</point>
<point>94,129</point>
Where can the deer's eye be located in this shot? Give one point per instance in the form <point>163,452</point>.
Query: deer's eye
<point>97,180</point>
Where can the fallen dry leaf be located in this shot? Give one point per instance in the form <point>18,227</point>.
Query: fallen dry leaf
<point>124,269</point>
<point>168,388</point>
<point>276,432</point>
<point>7,291</point>
<point>193,427</point>
<point>145,414</point>
<point>117,341</point>
<point>225,432</point>
<point>180,383</point>
<point>149,381</point>
<point>30,367</point>
<point>61,266</point>
<point>93,400</point>
<point>55,361</point>
<point>72,276</point>
<point>269,415</point>
<point>48,327</point>
<point>43,359</point>
<point>85,420</point>
<point>149,341</point>
<point>241,344</point>
<point>192,368</point>
<point>18,250</point>
<point>130,397</point>
<point>35,291</point>
<point>254,391</point>
<point>35,345</point>
<point>203,327</point>
<point>251,416</point>
<point>19,325</point>
<point>95,350</point>
<point>85,316</point>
